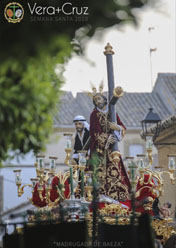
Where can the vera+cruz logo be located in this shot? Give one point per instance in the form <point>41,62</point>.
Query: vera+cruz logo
<point>14,12</point>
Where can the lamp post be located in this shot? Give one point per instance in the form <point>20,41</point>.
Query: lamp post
<point>152,120</point>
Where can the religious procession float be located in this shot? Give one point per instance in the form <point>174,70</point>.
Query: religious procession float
<point>98,189</point>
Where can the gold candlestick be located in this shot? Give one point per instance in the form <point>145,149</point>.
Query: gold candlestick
<point>89,192</point>
<point>18,180</point>
<point>40,190</point>
<point>21,189</point>
<point>68,147</point>
<point>67,159</point>
<point>149,151</point>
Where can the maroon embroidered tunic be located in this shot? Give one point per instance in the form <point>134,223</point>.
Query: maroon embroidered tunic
<point>114,181</point>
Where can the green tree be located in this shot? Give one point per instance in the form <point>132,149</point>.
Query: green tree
<point>29,93</point>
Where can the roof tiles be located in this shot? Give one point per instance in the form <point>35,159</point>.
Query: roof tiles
<point>132,107</point>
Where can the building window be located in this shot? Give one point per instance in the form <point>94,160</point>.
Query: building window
<point>135,149</point>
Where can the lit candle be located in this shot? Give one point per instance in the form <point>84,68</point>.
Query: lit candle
<point>71,180</point>
<point>82,183</point>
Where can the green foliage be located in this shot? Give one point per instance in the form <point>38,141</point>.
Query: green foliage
<point>29,94</point>
<point>94,163</point>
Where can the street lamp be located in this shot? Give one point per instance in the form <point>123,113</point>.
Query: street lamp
<point>151,119</point>
<point>151,127</point>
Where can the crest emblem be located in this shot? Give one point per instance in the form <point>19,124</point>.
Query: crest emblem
<point>14,12</point>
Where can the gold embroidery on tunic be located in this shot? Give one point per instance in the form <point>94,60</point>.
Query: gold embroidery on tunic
<point>104,121</point>
<point>101,138</point>
<point>110,178</point>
